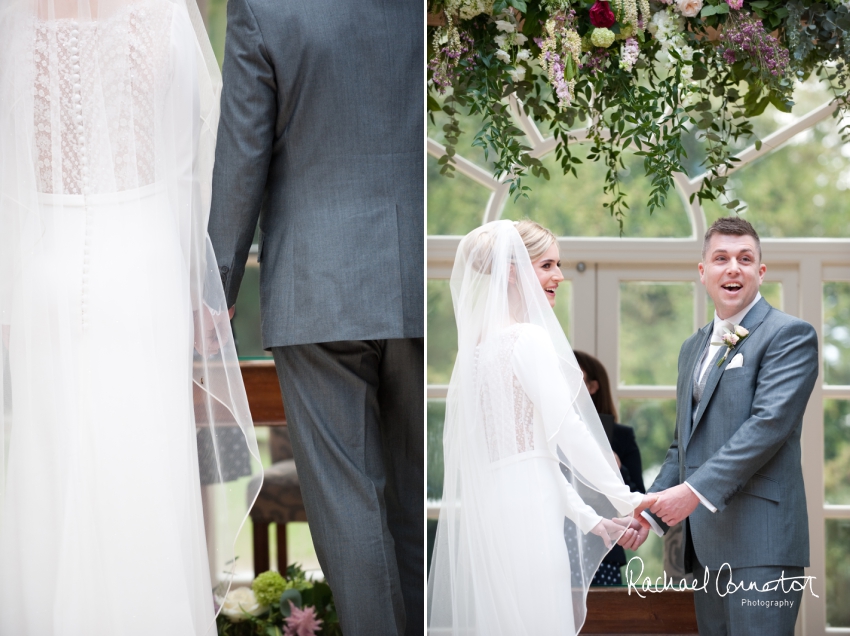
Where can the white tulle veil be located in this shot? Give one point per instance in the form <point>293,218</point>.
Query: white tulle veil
<point>487,544</point>
<point>126,122</point>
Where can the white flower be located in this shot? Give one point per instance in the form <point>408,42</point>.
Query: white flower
<point>520,39</point>
<point>689,8</point>
<point>504,25</point>
<point>518,74</point>
<point>468,9</point>
<point>240,601</point>
<point>503,55</point>
<point>524,54</point>
<point>500,40</point>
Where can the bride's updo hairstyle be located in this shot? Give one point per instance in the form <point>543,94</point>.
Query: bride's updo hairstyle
<point>536,238</point>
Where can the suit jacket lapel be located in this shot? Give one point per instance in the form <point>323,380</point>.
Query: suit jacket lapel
<point>687,388</point>
<point>750,322</point>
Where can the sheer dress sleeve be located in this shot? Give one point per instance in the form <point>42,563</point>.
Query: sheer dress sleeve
<point>568,438</point>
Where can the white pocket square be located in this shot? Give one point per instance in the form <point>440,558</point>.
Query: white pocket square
<point>737,361</point>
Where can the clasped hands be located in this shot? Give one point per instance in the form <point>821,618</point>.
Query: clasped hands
<point>208,326</point>
<point>671,506</point>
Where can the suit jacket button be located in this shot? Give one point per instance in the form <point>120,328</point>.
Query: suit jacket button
<point>224,269</point>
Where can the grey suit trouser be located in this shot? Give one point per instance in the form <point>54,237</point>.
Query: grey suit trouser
<point>355,413</point>
<point>736,611</point>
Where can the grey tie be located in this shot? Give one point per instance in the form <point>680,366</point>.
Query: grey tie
<point>699,383</point>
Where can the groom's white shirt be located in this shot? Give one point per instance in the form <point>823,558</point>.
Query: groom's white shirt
<point>735,320</point>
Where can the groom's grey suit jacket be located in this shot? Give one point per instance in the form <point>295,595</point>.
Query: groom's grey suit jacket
<point>741,449</point>
<point>322,128</point>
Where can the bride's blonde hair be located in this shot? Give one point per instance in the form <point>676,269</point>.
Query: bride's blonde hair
<point>536,238</point>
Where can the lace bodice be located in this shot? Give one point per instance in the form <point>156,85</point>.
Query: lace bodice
<point>506,410</point>
<point>97,88</point>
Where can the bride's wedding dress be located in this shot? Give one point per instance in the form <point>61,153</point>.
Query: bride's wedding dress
<point>114,362</point>
<point>529,476</point>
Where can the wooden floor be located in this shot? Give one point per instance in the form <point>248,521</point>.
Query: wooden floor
<point>614,611</point>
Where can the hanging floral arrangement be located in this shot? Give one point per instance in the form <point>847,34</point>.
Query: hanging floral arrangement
<point>639,74</point>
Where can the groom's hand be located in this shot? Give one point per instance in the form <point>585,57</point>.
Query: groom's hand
<point>636,533</point>
<point>674,504</point>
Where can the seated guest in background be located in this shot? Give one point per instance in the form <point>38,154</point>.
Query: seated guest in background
<point>626,452</point>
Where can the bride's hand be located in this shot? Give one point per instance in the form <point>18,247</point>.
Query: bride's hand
<point>209,326</point>
<point>646,502</point>
<point>610,530</point>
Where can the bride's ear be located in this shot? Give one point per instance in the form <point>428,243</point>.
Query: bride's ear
<point>512,275</point>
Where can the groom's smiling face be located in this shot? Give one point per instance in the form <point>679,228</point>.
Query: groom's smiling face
<point>731,272</point>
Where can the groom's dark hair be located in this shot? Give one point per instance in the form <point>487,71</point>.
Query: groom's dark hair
<point>732,225</point>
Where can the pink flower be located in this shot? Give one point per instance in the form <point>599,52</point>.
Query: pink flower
<point>601,15</point>
<point>735,4</point>
<point>730,339</point>
<point>302,622</point>
<point>689,8</point>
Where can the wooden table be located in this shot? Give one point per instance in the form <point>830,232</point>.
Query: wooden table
<point>614,611</point>
<point>263,391</point>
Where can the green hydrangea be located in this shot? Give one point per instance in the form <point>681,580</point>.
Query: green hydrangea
<point>603,38</point>
<point>585,43</point>
<point>268,587</point>
<point>626,32</point>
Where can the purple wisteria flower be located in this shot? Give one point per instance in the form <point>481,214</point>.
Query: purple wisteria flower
<point>597,61</point>
<point>448,62</point>
<point>746,39</point>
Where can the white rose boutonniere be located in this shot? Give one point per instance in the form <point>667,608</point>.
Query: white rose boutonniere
<point>730,338</point>
<point>239,602</point>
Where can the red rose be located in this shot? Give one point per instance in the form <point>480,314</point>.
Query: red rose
<point>601,15</point>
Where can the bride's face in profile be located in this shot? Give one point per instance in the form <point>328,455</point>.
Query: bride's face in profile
<point>548,270</point>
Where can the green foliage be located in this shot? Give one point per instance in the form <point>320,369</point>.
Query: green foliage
<point>837,572</point>
<point>650,108</point>
<point>836,451</point>
<point>655,319</point>
<point>836,333</point>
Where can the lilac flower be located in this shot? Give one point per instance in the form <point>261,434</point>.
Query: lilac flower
<point>629,53</point>
<point>735,4</point>
<point>597,61</point>
<point>447,63</point>
<point>746,39</point>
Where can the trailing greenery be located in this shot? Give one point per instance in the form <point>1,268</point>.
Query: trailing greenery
<point>639,75</point>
